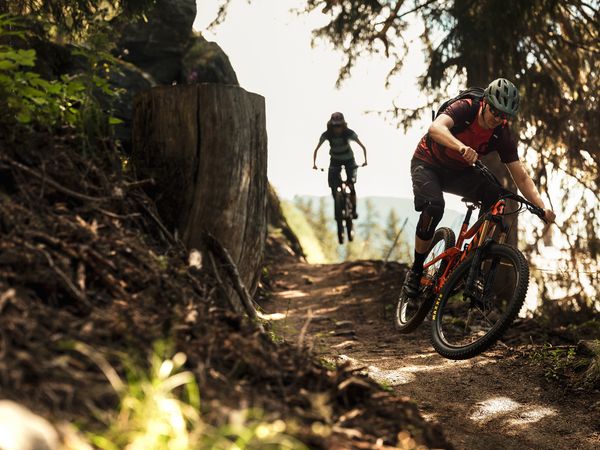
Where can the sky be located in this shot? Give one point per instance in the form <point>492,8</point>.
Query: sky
<point>270,49</point>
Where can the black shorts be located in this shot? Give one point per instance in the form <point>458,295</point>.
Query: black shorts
<point>430,182</point>
<point>335,171</point>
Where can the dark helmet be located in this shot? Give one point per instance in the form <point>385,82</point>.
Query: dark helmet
<point>337,118</point>
<point>503,95</point>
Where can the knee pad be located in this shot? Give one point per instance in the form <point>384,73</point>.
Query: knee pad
<point>429,219</point>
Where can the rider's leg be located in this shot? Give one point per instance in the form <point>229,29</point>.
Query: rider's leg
<point>430,217</point>
<point>429,200</point>
<point>334,179</point>
<point>351,170</point>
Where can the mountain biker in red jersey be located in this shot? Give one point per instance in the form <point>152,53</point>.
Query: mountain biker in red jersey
<point>339,136</point>
<point>444,158</point>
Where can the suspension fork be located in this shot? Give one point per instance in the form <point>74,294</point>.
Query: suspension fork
<point>486,238</point>
<point>490,278</point>
<point>474,269</point>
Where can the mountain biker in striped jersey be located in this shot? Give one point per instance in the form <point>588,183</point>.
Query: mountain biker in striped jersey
<point>339,136</point>
<point>444,158</point>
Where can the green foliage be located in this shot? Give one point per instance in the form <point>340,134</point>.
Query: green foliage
<point>556,361</point>
<point>323,223</point>
<point>71,100</point>
<point>367,241</point>
<point>160,410</point>
<point>314,227</point>
<point>327,363</point>
<point>29,97</point>
<point>300,224</point>
<point>395,244</point>
<point>76,20</point>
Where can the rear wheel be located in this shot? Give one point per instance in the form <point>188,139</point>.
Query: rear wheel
<point>349,230</point>
<point>340,231</point>
<point>411,312</point>
<point>338,206</point>
<point>467,321</point>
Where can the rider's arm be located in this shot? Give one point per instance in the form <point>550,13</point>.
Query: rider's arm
<point>364,149</point>
<point>528,188</point>
<point>439,131</point>
<point>315,153</point>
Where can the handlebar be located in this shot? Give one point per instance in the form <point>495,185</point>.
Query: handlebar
<point>534,209</point>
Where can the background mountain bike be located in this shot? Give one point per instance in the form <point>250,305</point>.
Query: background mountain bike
<point>475,289</point>
<point>343,210</point>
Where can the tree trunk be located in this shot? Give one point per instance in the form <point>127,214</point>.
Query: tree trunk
<point>206,147</point>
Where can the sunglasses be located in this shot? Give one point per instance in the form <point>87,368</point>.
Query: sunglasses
<point>498,114</point>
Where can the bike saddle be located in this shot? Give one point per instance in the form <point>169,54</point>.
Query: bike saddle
<point>474,204</point>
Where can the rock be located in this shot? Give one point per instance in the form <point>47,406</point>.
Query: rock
<point>588,347</point>
<point>20,429</point>
<point>346,344</point>
<point>129,81</point>
<point>307,280</point>
<point>157,45</point>
<point>345,333</point>
<point>344,324</point>
<point>206,62</point>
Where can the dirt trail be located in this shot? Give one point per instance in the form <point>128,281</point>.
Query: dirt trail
<point>494,401</point>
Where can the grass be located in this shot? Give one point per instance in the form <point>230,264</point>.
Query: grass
<point>558,362</point>
<point>592,373</point>
<point>160,410</point>
<point>327,364</point>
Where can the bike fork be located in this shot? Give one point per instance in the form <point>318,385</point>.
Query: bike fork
<point>474,270</point>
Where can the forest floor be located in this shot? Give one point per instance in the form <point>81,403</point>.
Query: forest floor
<point>500,400</point>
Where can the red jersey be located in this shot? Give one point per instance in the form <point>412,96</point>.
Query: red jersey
<point>474,136</point>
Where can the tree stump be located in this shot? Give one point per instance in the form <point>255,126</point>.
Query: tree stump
<point>205,145</point>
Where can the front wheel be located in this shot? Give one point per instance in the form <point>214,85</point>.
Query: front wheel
<point>411,312</point>
<point>467,320</point>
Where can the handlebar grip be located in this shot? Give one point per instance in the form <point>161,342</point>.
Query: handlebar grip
<point>538,212</point>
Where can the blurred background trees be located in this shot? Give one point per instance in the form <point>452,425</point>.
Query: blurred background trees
<point>551,50</point>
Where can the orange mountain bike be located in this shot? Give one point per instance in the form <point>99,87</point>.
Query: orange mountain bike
<point>474,289</point>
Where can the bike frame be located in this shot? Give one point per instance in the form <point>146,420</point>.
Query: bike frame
<point>482,230</point>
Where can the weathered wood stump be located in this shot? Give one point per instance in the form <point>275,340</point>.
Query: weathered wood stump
<point>206,147</point>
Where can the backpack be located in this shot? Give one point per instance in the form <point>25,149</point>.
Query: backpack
<point>476,95</point>
<point>473,93</point>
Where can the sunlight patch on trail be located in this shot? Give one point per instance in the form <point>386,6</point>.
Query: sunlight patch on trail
<point>518,413</point>
<point>292,294</point>
<point>533,415</point>
<point>421,356</point>
<point>493,407</point>
<point>398,376</point>
<point>390,377</point>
